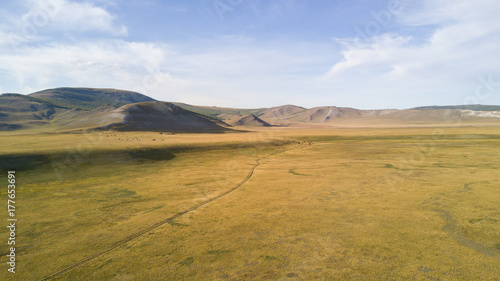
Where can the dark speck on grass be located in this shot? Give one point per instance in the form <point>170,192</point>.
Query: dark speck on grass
<point>389,166</point>
<point>269,258</point>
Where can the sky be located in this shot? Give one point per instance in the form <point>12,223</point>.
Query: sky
<point>366,54</point>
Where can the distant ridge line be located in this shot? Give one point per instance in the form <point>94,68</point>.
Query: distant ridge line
<point>474,107</point>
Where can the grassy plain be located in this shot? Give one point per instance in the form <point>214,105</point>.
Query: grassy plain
<point>367,204</point>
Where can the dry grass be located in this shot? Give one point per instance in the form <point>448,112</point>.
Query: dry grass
<point>369,204</point>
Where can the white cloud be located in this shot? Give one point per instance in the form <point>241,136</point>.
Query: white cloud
<point>439,12</point>
<point>33,55</point>
<point>470,37</point>
<point>116,63</point>
<point>386,70</point>
<point>381,52</point>
<point>46,16</point>
<point>462,47</point>
<point>231,71</point>
<point>237,72</point>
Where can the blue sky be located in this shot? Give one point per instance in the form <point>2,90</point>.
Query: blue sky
<point>256,53</point>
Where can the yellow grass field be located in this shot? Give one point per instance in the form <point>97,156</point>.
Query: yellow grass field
<point>270,204</point>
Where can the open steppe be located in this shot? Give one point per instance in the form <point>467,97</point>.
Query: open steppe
<point>269,204</point>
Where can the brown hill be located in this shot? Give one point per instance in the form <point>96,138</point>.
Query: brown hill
<point>252,120</point>
<point>326,114</point>
<point>281,112</point>
<point>150,116</point>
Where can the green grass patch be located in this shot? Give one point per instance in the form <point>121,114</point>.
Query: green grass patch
<point>187,262</point>
<point>292,171</point>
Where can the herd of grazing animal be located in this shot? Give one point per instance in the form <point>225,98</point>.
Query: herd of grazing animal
<point>130,139</point>
<point>169,133</point>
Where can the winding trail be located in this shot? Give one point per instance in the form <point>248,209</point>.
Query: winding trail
<point>452,227</point>
<point>154,226</point>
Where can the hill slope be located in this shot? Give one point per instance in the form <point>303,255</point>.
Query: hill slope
<point>326,114</point>
<point>20,111</point>
<point>228,115</point>
<point>150,116</point>
<point>88,98</point>
<point>57,107</point>
<point>281,113</point>
<point>252,120</point>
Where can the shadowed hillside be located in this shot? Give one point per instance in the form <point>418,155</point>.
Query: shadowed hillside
<point>150,116</point>
<point>252,120</point>
<point>229,115</point>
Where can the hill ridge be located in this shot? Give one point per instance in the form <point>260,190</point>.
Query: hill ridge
<point>53,109</point>
<point>89,98</point>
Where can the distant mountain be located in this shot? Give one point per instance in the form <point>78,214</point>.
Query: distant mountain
<point>326,114</point>
<point>281,112</point>
<point>76,108</point>
<point>150,116</point>
<point>474,107</point>
<point>252,120</point>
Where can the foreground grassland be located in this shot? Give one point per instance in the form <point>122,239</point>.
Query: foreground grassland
<point>367,204</point>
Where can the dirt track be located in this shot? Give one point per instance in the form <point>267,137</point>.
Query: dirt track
<point>154,226</point>
<point>453,229</point>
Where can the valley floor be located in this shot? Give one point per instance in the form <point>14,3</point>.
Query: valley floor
<point>271,204</point>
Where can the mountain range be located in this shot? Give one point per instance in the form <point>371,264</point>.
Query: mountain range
<point>69,109</point>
